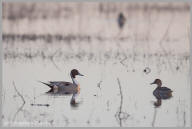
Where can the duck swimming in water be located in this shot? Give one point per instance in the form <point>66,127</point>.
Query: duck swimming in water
<point>62,87</point>
<point>161,92</point>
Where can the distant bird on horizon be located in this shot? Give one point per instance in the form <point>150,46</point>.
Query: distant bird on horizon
<point>62,87</point>
<point>121,20</point>
<point>161,92</point>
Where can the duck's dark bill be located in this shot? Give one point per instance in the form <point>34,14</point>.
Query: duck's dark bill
<point>152,83</point>
<point>80,74</point>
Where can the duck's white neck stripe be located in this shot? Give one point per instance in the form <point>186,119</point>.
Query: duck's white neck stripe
<point>75,81</point>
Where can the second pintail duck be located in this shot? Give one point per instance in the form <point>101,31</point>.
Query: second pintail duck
<point>161,92</point>
<point>62,87</point>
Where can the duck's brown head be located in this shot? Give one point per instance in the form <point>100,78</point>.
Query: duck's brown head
<point>75,72</point>
<point>158,82</point>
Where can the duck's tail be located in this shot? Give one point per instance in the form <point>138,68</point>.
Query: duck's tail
<point>46,84</point>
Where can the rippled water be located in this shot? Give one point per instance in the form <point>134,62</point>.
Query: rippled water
<point>100,99</point>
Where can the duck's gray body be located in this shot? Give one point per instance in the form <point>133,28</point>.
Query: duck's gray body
<point>162,93</point>
<point>62,87</point>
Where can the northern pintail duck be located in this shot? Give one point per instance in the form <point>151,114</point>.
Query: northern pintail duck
<point>62,87</point>
<point>161,92</point>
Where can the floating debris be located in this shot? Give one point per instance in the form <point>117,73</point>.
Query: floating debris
<point>121,116</point>
<point>47,105</point>
<point>147,70</point>
<point>99,85</point>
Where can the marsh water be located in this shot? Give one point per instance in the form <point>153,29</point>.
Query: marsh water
<point>118,69</point>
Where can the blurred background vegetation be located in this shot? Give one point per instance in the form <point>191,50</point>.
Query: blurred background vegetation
<point>147,25</point>
<point>41,10</point>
